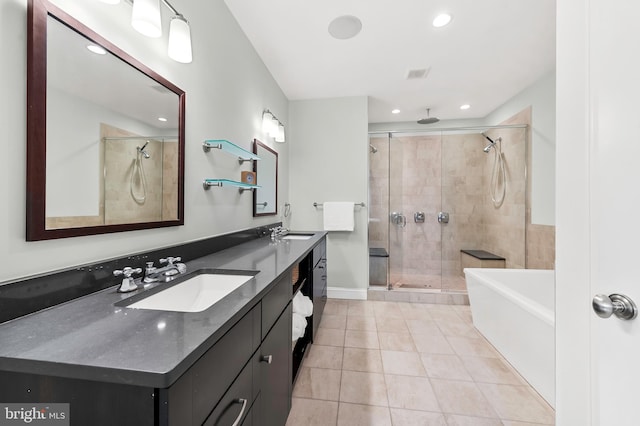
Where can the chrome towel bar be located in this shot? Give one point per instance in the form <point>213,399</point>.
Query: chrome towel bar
<point>355,204</point>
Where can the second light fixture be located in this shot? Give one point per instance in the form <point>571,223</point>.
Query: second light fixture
<point>272,126</point>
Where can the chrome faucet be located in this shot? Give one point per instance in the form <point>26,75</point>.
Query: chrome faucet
<point>128,283</point>
<point>165,273</point>
<point>278,231</point>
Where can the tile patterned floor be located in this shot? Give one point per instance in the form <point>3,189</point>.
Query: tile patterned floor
<point>404,364</point>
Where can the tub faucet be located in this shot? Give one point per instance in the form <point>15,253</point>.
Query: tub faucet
<point>165,273</point>
<point>128,283</point>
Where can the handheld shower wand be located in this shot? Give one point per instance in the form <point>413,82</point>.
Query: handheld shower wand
<point>491,143</point>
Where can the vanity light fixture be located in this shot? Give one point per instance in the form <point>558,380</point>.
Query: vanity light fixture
<point>272,126</point>
<point>147,20</point>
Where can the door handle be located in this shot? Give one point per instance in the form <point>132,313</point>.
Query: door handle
<point>443,217</point>
<point>618,304</point>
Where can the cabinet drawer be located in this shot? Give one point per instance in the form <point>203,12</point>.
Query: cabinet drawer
<point>215,371</point>
<point>236,403</point>
<point>275,301</point>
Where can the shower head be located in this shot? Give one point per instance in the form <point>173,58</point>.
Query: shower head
<point>373,149</point>
<point>142,151</point>
<point>428,120</point>
<point>491,142</point>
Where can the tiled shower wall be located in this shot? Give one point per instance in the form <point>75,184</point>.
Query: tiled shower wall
<point>453,174</point>
<point>161,181</point>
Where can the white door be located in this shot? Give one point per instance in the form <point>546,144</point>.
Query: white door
<point>598,210</point>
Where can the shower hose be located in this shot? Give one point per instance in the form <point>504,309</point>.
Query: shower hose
<point>498,187</point>
<point>139,170</point>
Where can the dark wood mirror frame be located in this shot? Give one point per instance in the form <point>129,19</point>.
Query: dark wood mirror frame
<point>256,146</point>
<point>38,13</point>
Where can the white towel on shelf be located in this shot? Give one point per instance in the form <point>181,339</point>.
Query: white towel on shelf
<point>338,216</point>
<point>298,326</point>
<point>302,305</point>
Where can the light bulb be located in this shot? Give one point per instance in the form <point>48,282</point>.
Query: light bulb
<point>145,17</point>
<point>266,121</point>
<point>273,130</point>
<point>180,40</point>
<point>280,135</point>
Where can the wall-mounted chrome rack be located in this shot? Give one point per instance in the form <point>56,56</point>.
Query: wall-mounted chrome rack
<point>208,183</point>
<point>355,204</point>
<point>231,148</point>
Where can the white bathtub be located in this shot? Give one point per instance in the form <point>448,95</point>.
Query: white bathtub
<point>515,310</point>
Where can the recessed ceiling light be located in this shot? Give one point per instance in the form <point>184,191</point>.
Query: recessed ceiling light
<point>441,20</point>
<point>395,111</point>
<point>162,119</point>
<point>345,27</point>
<point>465,106</point>
<point>96,49</point>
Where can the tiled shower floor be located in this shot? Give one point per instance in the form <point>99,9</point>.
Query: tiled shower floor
<point>404,364</point>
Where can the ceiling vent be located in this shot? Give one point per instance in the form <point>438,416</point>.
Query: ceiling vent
<point>418,74</point>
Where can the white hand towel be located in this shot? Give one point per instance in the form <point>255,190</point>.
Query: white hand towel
<point>298,324</point>
<point>338,216</point>
<point>302,305</point>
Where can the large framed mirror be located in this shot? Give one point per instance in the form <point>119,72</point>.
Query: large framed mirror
<point>265,198</point>
<point>105,134</point>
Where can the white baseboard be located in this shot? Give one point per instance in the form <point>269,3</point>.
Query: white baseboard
<point>347,293</point>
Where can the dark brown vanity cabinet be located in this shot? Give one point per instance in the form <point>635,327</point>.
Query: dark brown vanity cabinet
<point>245,376</point>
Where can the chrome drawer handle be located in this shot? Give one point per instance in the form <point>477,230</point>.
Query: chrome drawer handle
<point>244,405</point>
<point>266,358</point>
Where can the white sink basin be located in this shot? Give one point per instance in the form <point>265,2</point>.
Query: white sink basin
<point>193,295</point>
<point>297,236</point>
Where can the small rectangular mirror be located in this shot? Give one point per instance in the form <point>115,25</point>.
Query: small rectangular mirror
<point>265,198</point>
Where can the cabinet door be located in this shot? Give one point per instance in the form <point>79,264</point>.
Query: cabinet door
<point>275,377</point>
<point>319,293</point>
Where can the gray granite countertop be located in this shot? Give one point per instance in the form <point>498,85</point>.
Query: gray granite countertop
<point>91,338</point>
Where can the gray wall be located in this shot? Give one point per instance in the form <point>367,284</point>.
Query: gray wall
<point>329,147</point>
<point>227,88</point>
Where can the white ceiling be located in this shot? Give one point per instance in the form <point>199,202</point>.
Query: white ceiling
<point>490,51</point>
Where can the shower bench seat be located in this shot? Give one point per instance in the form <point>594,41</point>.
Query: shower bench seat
<point>480,259</point>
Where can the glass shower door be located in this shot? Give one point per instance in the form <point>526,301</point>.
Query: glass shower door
<point>415,240</point>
